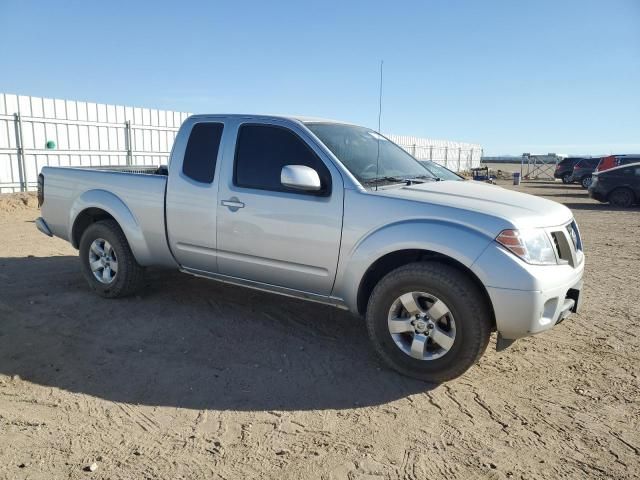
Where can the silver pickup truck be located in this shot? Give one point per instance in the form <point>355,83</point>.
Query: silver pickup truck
<point>333,213</point>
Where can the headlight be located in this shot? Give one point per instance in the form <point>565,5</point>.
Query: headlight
<point>533,246</point>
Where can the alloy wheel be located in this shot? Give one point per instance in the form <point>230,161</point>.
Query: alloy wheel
<point>103,261</point>
<point>421,325</point>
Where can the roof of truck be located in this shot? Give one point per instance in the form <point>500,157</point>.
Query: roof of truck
<point>300,118</point>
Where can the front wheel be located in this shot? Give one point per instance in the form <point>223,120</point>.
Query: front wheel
<point>428,321</point>
<point>107,262</point>
<point>586,181</point>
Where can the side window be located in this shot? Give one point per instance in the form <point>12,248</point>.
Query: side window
<point>262,151</point>
<point>202,152</point>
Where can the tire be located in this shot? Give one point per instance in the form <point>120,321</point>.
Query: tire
<point>126,275</point>
<point>622,197</point>
<point>466,305</point>
<point>566,178</point>
<point>585,181</point>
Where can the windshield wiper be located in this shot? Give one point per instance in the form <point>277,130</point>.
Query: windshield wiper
<point>391,179</point>
<point>388,179</point>
<point>423,177</point>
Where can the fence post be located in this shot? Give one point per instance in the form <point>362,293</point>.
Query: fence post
<point>127,141</point>
<point>431,152</point>
<point>22,174</point>
<point>459,152</point>
<point>414,150</point>
<point>446,156</point>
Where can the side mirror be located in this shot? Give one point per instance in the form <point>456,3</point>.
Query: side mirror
<point>300,177</point>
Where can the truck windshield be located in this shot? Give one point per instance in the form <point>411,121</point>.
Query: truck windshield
<point>371,158</point>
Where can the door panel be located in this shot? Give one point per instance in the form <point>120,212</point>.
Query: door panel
<point>192,194</point>
<point>280,238</point>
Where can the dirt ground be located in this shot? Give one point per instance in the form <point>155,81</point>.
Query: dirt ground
<point>192,379</point>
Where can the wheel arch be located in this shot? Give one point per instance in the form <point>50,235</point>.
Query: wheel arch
<point>390,261</point>
<point>397,244</point>
<point>95,205</point>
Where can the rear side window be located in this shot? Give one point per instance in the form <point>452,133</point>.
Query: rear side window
<point>262,151</point>
<point>593,162</point>
<point>202,152</point>
<point>627,160</point>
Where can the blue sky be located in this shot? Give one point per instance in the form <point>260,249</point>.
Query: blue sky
<point>539,76</point>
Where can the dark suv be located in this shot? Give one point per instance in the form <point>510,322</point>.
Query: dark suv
<point>583,169</point>
<point>620,186</point>
<point>564,169</point>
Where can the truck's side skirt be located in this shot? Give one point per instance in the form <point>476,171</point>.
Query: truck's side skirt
<point>265,287</point>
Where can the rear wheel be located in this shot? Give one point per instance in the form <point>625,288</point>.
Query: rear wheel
<point>428,321</point>
<point>622,197</point>
<point>585,181</point>
<point>107,262</point>
<point>566,178</point>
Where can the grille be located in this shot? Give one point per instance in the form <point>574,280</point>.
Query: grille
<point>567,244</point>
<point>574,234</point>
<point>556,245</point>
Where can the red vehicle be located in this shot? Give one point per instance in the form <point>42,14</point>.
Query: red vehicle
<point>615,161</point>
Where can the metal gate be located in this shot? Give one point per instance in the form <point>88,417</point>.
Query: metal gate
<point>538,167</point>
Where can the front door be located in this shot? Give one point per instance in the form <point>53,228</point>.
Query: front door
<point>272,234</point>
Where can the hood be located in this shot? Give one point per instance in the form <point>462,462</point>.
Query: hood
<point>520,209</point>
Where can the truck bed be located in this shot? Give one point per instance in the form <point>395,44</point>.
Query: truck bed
<point>139,211</point>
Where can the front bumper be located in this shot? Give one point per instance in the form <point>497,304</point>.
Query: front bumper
<point>597,194</point>
<point>528,299</point>
<point>522,313</point>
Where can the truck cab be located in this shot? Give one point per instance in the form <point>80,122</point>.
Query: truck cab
<point>225,177</point>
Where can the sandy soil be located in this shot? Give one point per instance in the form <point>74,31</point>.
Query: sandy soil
<point>192,379</point>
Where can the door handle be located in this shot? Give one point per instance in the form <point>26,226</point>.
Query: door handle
<point>232,204</point>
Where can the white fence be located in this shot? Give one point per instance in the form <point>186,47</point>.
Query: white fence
<point>35,132</point>
<point>457,156</point>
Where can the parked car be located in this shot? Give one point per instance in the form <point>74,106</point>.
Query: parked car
<point>620,186</point>
<point>615,160</point>
<point>564,169</point>
<point>583,169</point>
<point>337,214</point>
<point>440,172</point>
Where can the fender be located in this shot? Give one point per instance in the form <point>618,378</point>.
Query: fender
<point>115,207</point>
<point>457,241</point>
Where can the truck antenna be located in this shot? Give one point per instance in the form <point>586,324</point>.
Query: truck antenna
<point>379,124</point>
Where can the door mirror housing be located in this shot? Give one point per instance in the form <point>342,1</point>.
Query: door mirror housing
<point>300,177</point>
